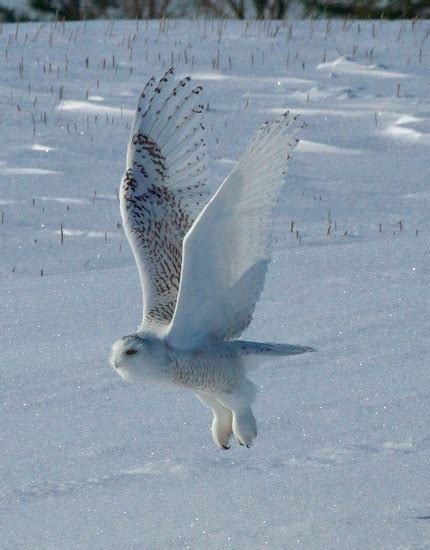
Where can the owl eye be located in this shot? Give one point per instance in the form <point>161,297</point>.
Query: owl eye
<point>131,351</point>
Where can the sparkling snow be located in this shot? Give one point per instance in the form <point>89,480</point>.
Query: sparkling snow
<point>342,456</point>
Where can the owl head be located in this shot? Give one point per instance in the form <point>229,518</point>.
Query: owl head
<point>139,357</point>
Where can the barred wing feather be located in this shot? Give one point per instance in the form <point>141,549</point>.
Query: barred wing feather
<point>227,251</point>
<point>163,189</point>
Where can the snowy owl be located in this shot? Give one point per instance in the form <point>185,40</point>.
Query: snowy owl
<point>202,261</point>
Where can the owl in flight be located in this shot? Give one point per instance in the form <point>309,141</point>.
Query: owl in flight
<point>202,260</point>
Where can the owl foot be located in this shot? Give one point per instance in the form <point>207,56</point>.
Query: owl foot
<point>222,421</point>
<point>221,432</point>
<point>244,426</point>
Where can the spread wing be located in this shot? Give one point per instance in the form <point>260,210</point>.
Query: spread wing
<point>227,251</point>
<point>163,189</point>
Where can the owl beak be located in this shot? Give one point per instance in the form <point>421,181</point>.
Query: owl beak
<point>113,363</point>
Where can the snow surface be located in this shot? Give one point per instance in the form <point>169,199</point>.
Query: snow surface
<point>341,460</point>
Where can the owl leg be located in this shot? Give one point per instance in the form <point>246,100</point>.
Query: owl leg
<point>244,424</point>
<point>222,421</point>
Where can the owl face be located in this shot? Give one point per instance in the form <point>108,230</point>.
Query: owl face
<point>137,357</point>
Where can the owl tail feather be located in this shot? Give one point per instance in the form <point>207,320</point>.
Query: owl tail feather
<point>259,352</point>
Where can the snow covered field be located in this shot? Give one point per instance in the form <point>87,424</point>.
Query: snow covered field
<point>342,456</point>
